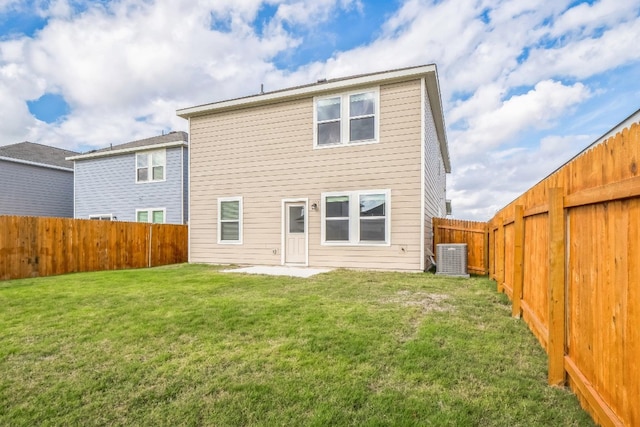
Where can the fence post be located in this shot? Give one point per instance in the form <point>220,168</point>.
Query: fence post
<point>518,261</point>
<point>556,339</point>
<point>500,255</point>
<point>485,254</point>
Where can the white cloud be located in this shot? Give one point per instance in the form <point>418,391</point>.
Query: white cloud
<point>582,58</point>
<point>585,18</point>
<point>538,108</point>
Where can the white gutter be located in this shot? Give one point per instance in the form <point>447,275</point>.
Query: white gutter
<point>128,150</point>
<point>27,162</point>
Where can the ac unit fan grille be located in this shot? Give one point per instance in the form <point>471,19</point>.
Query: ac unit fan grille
<point>451,259</point>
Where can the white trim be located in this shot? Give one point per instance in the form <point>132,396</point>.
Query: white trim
<point>149,154</point>
<point>345,118</point>
<point>101,216</point>
<point>150,212</point>
<point>354,218</point>
<point>240,221</point>
<point>42,165</point>
<point>189,196</point>
<point>74,191</point>
<point>107,153</point>
<point>309,90</point>
<point>283,228</point>
<point>423,91</point>
<point>181,185</point>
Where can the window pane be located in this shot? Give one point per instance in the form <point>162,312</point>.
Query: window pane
<point>372,205</point>
<point>143,216</point>
<point>337,206</point>
<point>230,210</point>
<point>158,173</point>
<point>296,219</point>
<point>337,230</point>
<point>328,133</point>
<point>229,231</point>
<point>143,174</point>
<point>362,104</point>
<point>158,217</point>
<point>157,158</point>
<point>142,160</point>
<point>372,229</point>
<point>328,109</point>
<point>362,129</point>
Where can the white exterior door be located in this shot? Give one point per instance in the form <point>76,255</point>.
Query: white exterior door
<point>295,233</point>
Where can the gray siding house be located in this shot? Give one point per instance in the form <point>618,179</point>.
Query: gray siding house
<point>35,180</point>
<point>144,181</point>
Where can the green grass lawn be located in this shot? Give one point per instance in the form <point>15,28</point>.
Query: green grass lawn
<point>188,345</point>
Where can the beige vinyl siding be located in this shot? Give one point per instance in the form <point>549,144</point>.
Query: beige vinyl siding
<point>265,154</point>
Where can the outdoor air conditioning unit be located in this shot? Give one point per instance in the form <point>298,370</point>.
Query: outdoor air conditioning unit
<point>451,259</point>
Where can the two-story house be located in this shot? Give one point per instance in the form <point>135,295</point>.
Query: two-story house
<point>143,181</point>
<point>340,173</point>
<point>35,180</point>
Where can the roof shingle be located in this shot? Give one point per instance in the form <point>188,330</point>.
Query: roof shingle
<point>38,153</point>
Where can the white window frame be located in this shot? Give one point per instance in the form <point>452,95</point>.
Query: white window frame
<point>150,212</point>
<point>149,167</point>
<point>240,220</point>
<point>354,218</point>
<point>102,217</point>
<point>345,119</point>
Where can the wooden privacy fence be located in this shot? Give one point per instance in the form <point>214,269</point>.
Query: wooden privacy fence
<point>567,252</point>
<point>474,234</point>
<point>36,246</point>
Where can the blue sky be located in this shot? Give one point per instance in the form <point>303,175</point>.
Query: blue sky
<point>525,84</point>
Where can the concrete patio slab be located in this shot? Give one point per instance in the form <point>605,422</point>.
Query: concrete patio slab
<point>303,272</point>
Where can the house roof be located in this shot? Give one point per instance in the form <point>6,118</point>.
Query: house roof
<point>171,139</point>
<point>37,154</point>
<point>428,72</point>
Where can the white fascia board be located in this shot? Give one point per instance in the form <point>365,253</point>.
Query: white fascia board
<point>129,150</point>
<point>42,165</point>
<point>309,90</point>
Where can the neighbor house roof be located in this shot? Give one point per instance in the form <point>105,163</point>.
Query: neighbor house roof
<point>171,139</point>
<point>37,154</point>
<point>428,72</point>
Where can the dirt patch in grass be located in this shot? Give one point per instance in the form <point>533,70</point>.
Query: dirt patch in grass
<point>427,302</point>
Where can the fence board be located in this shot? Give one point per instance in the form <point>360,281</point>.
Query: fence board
<point>36,247</point>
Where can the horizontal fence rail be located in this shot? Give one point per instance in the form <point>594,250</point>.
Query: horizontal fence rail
<point>567,254</point>
<point>39,246</point>
<point>473,233</point>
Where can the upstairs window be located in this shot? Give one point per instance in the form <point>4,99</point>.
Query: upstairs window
<point>345,119</point>
<point>150,166</point>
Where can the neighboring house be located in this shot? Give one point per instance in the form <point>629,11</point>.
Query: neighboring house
<point>341,173</point>
<point>35,180</point>
<point>144,181</point>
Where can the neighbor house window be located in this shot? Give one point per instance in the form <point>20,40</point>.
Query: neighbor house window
<point>150,166</point>
<point>356,217</point>
<point>105,217</point>
<point>230,220</point>
<point>156,216</point>
<point>344,119</point>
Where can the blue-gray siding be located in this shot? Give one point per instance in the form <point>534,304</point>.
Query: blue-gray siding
<point>29,190</point>
<point>107,185</point>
